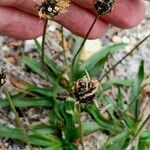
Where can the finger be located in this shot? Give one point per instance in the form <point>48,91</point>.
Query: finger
<point>19,24</point>
<point>80,24</point>
<point>125,14</point>
<point>25,5</point>
<point>77,23</point>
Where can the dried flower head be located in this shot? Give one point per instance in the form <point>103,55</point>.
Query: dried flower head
<point>50,8</point>
<point>62,95</point>
<point>85,89</point>
<point>103,6</point>
<point>2,77</point>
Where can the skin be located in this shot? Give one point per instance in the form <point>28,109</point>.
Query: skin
<point>19,18</point>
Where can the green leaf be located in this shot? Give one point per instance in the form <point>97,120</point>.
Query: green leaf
<point>90,127</point>
<point>23,102</point>
<point>77,43</point>
<point>41,91</point>
<point>144,140</point>
<point>120,101</point>
<point>103,123</point>
<point>112,107</point>
<point>42,129</point>
<point>12,133</point>
<point>145,136</point>
<point>119,142</point>
<point>98,59</point>
<point>143,146</point>
<point>44,140</point>
<point>130,121</point>
<point>117,82</point>
<point>70,117</point>
<point>63,116</point>
<point>48,61</point>
<point>37,68</point>
<point>35,138</point>
<point>135,92</point>
<point>52,66</point>
<point>77,72</point>
<point>38,45</point>
<point>69,146</point>
<point>54,147</point>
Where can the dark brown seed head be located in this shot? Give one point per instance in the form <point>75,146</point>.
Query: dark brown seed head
<point>85,90</point>
<point>2,77</point>
<point>51,8</point>
<point>103,6</point>
<point>62,95</point>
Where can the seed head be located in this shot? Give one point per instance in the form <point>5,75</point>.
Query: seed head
<point>103,6</point>
<point>2,77</point>
<point>85,89</point>
<point>51,8</point>
<point>62,95</point>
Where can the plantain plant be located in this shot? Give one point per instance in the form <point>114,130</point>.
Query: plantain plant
<point>81,87</point>
<point>123,126</point>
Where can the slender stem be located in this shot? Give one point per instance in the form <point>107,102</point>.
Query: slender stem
<point>125,111</point>
<point>142,126</point>
<point>128,107</point>
<point>43,48</point>
<point>80,125</point>
<point>19,123</point>
<point>113,67</point>
<point>63,47</point>
<point>82,44</point>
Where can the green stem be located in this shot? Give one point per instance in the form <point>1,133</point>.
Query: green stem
<point>80,125</point>
<point>128,106</point>
<point>141,127</point>
<point>137,133</point>
<point>19,123</point>
<point>82,44</point>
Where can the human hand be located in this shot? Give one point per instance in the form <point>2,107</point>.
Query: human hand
<point>19,18</point>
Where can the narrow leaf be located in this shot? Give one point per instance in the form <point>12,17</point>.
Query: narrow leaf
<point>119,142</point>
<point>23,102</point>
<point>12,133</point>
<point>37,68</point>
<point>95,58</point>
<point>90,127</point>
<point>48,61</point>
<point>103,123</point>
<point>135,92</point>
<point>118,82</point>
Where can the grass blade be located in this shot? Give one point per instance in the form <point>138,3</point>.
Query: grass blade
<point>136,87</point>
<point>100,55</point>
<point>37,68</point>
<point>23,102</point>
<point>118,82</point>
<point>12,133</point>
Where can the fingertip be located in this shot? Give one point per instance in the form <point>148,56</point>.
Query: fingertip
<point>126,14</point>
<point>136,17</point>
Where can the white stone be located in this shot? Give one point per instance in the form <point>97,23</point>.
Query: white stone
<point>90,47</point>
